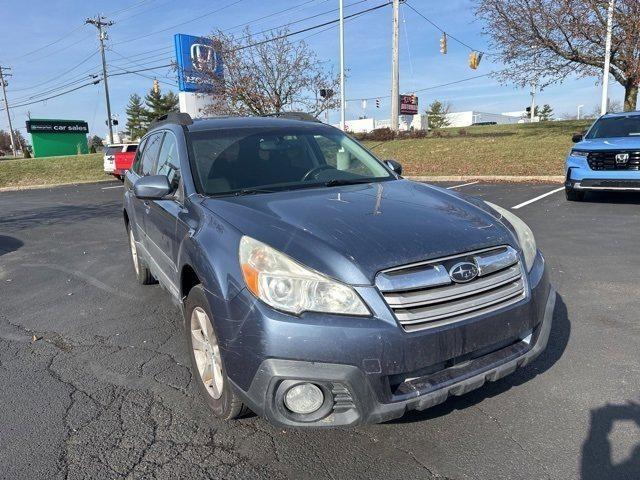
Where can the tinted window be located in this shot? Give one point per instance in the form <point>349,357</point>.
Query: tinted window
<point>168,162</point>
<point>132,148</point>
<point>150,153</point>
<point>616,127</point>
<point>137,161</point>
<point>228,160</point>
<point>112,150</point>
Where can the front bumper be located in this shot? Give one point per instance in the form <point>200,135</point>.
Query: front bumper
<point>373,370</point>
<point>580,177</point>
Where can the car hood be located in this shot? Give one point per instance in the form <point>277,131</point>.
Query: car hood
<point>618,143</point>
<point>352,232</point>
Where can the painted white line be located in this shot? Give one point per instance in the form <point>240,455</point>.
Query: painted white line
<point>463,185</point>
<point>117,186</point>
<point>523,204</point>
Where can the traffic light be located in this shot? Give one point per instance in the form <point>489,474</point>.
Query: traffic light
<point>443,44</point>
<point>326,92</point>
<point>377,103</point>
<point>474,59</point>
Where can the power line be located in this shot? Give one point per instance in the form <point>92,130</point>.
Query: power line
<point>438,27</point>
<point>432,87</point>
<point>180,24</point>
<point>95,82</point>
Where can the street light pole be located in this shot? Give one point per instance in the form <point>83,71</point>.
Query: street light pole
<point>395,68</point>
<point>100,22</point>
<point>607,61</point>
<point>579,107</point>
<point>342,93</point>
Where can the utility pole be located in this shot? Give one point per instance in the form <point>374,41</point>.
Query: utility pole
<point>100,23</point>
<point>533,102</point>
<point>395,68</point>
<point>607,66</point>
<point>579,108</point>
<point>6,105</point>
<point>343,102</point>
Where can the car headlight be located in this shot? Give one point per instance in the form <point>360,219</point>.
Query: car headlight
<point>286,285</point>
<point>579,153</point>
<point>525,235</point>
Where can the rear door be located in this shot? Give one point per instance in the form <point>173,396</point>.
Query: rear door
<point>162,215</point>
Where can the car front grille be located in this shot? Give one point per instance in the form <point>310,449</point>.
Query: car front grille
<point>608,160</point>
<point>424,295</point>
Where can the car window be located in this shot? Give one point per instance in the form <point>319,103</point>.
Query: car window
<point>150,154</point>
<point>111,150</point>
<point>137,161</point>
<point>229,160</point>
<point>132,148</point>
<point>168,162</point>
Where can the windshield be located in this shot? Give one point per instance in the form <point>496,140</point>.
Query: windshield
<point>615,127</point>
<point>270,159</point>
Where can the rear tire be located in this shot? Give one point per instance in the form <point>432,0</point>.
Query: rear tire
<point>206,360</point>
<point>573,195</point>
<point>143,274</point>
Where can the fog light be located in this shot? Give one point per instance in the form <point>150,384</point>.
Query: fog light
<point>304,398</point>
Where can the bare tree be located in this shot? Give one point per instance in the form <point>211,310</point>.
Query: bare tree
<point>270,75</point>
<point>544,41</point>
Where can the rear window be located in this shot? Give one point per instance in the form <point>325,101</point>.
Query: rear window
<point>132,148</point>
<point>112,150</point>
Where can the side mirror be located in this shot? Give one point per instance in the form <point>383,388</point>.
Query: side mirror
<point>577,137</point>
<point>394,165</point>
<point>152,187</point>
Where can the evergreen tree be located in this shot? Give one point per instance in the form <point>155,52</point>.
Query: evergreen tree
<point>437,115</point>
<point>137,117</point>
<point>545,113</point>
<point>158,104</point>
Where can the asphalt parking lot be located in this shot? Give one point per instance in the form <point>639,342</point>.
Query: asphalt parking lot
<point>93,382</point>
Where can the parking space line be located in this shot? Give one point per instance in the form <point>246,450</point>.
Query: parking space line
<point>117,186</point>
<point>463,185</point>
<point>539,197</point>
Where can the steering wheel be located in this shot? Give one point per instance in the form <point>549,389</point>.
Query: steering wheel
<point>315,170</point>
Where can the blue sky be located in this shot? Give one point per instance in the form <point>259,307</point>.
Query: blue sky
<point>133,42</point>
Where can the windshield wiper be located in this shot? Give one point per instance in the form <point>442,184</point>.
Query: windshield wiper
<point>334,182</point>
<point>250,191</point>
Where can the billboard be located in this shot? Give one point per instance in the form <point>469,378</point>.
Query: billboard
<point>57,126</point>
<point>198,59</point>
<point>408,105</point>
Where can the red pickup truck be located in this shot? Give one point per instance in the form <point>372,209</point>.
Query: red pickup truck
<point>123,162</point>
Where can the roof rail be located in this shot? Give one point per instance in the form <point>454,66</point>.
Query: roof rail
<point>173,117</point>
<point>302,116</point>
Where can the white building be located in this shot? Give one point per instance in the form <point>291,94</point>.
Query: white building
<point>472,117</point>
<point>406,122</point>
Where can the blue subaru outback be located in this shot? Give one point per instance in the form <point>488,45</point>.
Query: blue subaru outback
<point>320,288</point>
<point>606,157</point>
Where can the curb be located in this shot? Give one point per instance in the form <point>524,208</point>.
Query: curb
<point>490,178</point>
<point>52,185</point>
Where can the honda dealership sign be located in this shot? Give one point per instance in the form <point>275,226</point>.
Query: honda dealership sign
<point>199,61</point>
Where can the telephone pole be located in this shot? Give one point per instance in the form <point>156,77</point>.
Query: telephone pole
<point>607,60</point>
<point>342,93</point>
<point>533,102</point>
<point>395,68</point>
<point>101,23</point>
<point>6,105</point>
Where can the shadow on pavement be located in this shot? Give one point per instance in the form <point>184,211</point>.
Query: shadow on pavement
<point>628,198</point>
<point>558,340</point>
<point>9,244</point>
<point>60,214</point>
<point>596,461</point>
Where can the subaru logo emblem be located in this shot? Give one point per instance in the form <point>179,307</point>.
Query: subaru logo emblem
<point>463,272</point>
<point>622,157</point>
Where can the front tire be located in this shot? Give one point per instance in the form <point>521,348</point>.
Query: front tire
<point>206,360</point>
<point>143,274</point>
<point>573,195</point>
